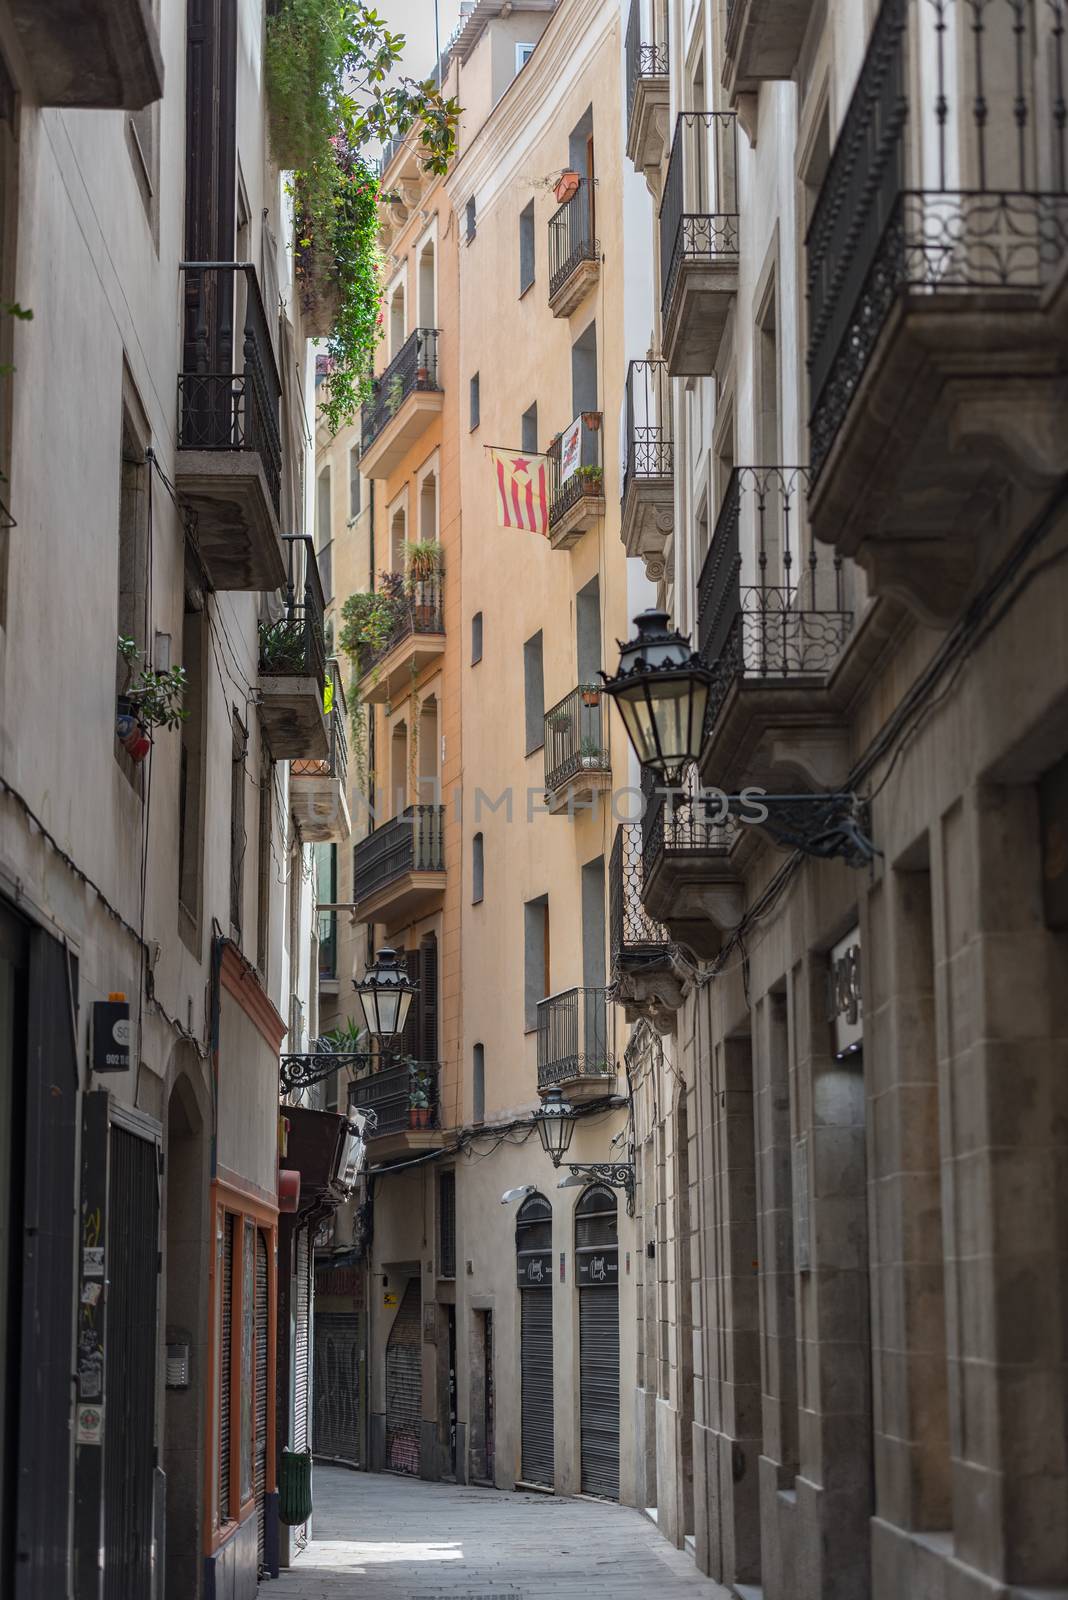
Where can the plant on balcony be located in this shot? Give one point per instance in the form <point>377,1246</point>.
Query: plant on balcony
<point>282,648</point>
<point>394,394</point>
<point>422,571</point>
<point>591,695</point>
<point>368,622</point>
<point>332,91</point>
<point>559,721</point>
<point>591,480</point>
<point>350,1040</point>
<point>591,754</point>
<point>418,1097</point>
<point>154,700</point>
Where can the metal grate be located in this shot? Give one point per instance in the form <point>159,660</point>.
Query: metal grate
<point>301,1317</point>
<point>533,1238</point>
<point>262,1393</point>
<point>573,1037</point>
<point>226,1307</point>
<point>404,1384</point>
<point>447,1225</point>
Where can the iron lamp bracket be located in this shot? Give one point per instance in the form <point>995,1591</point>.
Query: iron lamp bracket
<point>827,826</point>
<point>300,1072</point>
<point>616,1174</point>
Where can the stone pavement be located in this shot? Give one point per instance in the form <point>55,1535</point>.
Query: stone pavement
<point>398,1539</point>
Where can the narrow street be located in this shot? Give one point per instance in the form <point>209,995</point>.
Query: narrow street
<point>398,1539</point>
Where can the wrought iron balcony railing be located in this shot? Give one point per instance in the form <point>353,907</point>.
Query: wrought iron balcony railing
<point>418,608</point>
<point>992,134</point>
<point>412,842</point>
<point>770,603</point>
<point>293,645</point>
<point>576,736</point>
<point>336,764</point>
<point>587,478</point>
<point>229,389</point>
<point>650,439</point>
<point>572,237</point>
<point>403,1097</point>
<point>679,824</point>
<point>633,932</point>
<point>643,60</point>
<point>699,210</point>
<point>573,1037</point>
<point>413,368</point>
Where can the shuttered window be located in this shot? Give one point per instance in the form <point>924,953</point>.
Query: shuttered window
<point>226,1313</point>
<point>447,1225</point>
<point>301,1309</point>
<point>262,1391</point>
<point>533,1238</point>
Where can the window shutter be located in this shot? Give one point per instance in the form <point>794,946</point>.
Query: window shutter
<point>428,999</point>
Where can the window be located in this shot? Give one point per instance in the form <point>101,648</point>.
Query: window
<point>478,869</point>
<point>526,247</point>
<point>237,822</point>
<point>355,484</point>
<point>523,53</point>
<point>536,957</point>
<point>475,402</point>
<point>427,293</point>
<point>478,1084</point>
<point>588,631</point>
<point>191,763</point>
<point>326,871</point>
<point>470,219</point>
<point>324,526</point>
<point>447,1225</point>
<point>528,430</point>
<point>476,638</point>
<point>534,693</point>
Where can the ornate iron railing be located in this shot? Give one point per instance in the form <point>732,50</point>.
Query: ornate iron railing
<point>576,736</point>
<point>650,438</point>
<point>572,237</point>
<point>681,824</point>
<point>631,929</point>
<point>293,645</point>
<point>993,135</point>
<point>699,209</point>
<point>418,608</point>
<point>412,842</point>
<point>587,480</point>
<point>414,367</point>
<point>401,1097</point>
<point>228,398</point>
<point>771,604</point>
<point>573,1037</point>
<point>642,60</point>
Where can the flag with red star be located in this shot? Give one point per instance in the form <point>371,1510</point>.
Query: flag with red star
<point>522,490</point>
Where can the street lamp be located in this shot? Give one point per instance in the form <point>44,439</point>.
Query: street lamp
<point>661,689</point>
<point>386,993</point>
<point>556,1124</point>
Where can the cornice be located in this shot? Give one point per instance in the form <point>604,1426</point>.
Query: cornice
<point>528,109</point>
<point>242,981</point>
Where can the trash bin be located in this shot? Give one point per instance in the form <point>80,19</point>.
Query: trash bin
<point>294,1487</point>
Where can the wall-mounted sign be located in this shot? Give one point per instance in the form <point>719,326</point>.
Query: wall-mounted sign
<point>534,1269</point>
<point>90,1425</point>
<point>389,1301</point>
<point>845,1008</point>
<point>597,1268</point>
<point>111,1035</point>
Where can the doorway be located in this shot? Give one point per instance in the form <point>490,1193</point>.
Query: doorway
<point>534,1267</point>
<point>482,1451</point>
<point>597,1271</point>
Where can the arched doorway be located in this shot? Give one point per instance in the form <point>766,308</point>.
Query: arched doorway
<point>534,1272</point>
<point>597,1271</point>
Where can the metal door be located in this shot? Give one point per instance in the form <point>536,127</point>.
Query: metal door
<point>339,1339</point>
<point>262,1397</point>
<point>404,1384</point>
<point>597,1270</point>
<point>301,1309</point>
<point>535,1278</point>
<point>132,1256</point>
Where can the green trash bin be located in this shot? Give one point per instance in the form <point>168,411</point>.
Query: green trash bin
<point>294,1487</point>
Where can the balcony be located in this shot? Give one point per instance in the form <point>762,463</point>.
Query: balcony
<point>406,1102</point>
<point>772,624</point>
<point>576,481</point>
<point>689,881</point>
<point>764,39</point>
<point>648,94</point>
<point>699,240</point>
<point>647,975</point>
<point>648,509</point>
<point>934,380</point>
<point>415,641</point>
<point>99,53</point>
<point>575,1047</point>
<point>577,761</point>
<point>292,663</point>
<point>317,789</point>
<point>400,868</point>
<point>405,401</point>
<point>574,252</point>
<point>229,463</point>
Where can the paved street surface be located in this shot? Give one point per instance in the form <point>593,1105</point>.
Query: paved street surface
<point>398,1539</point>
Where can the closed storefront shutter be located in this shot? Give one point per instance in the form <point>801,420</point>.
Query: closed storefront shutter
<point>226,1306</point>
<point>597,1269</point>
<point>404,1384</point>
<point>339,1339</point>
<point>301,1308</point>
<point>537,1385</point>
<point>262,1398</point>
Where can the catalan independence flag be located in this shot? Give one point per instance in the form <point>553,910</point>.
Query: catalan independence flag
<point>522,490</point>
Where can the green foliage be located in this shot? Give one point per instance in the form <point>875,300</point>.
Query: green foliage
<point>351,1038</point>
<point>155,696</point>
<point>368,620</point>
<point>327,65</point>
<point>282,647</point>
<point>591,479</point>
<point>422,561</point>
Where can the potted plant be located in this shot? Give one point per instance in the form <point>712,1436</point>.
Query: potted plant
<point>591,754</point>
<point>559,721</point>
<point>154,700</point>
<point>567,185</point>
<point>418,1099</point>
<point>422,570</point>
<point>592,420</point>
<point>591,480</point>
<point>591,695</point>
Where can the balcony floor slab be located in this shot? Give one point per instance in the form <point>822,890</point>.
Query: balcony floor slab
<point>237,532</point>
<point>696,315</point>
<point>416,412</point>
<point>580,281</point>
<point>291,714</point>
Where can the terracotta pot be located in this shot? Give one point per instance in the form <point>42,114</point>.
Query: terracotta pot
<point>591,697</point>
<point>567,185</point>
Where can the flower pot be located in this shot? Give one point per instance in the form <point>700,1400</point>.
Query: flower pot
<point>592,420</point>
<point>422,376</point>
<point>567,185</point>
<point>131,734</point>
<point>413,1116</point>
<point>591,697</point>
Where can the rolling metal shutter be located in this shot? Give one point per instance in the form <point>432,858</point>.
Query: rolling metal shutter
<point>404,1384</point>
<point>338,1385</point>
<point>599,1389</point>
<point>536,1356</point>
<point>302,1306</point>
<point>129,1437</point>
<point>226,1302</point>
<point>260,1460</point>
